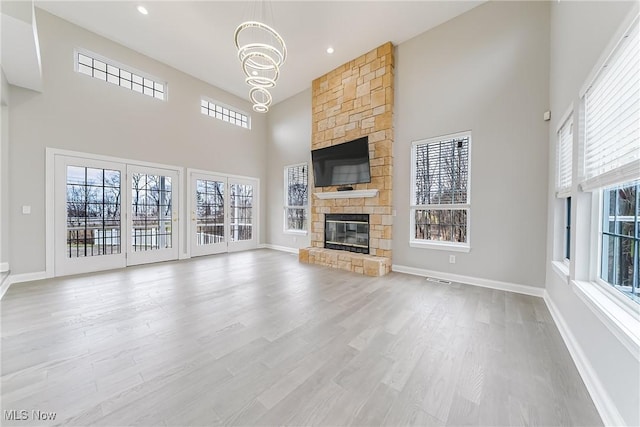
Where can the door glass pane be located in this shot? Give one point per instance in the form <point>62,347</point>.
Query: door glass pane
<point>209,212</point>
<point>151,212</point>
<point>241,206</point>
<point>93,212</point>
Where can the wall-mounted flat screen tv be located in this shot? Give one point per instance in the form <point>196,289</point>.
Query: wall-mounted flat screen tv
<point>342,164</point>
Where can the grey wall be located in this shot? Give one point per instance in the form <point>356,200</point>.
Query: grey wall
<point>486,71</point>
<point>4,175</point>
<point>289,139</point>
<point>580,31</point>
<point>79,113</point>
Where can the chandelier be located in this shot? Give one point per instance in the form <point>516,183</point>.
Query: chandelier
<point>261,51</point>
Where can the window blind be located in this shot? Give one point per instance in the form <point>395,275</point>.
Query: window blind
<point>612,116</point>
<point>441,172</point>
<point>564,158</point>
<point>296,185</point>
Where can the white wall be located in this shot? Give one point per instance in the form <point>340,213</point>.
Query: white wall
<point>486,71</point>
<point>79,113</point>
<point>580,31</point>
<point>289,139</point>
<point>4,175</point>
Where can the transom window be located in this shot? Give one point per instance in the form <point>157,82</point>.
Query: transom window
<point>220,112</point>
<point>296,190</point>
<point>109,71</point>
<point>440,192</point>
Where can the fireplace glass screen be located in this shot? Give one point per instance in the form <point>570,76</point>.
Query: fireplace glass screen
<point>347,232</point>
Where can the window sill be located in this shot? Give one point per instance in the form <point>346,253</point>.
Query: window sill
<point>297,232</point>
<point>561,269</point>
<point>621,320</point>
<point>439,246</point>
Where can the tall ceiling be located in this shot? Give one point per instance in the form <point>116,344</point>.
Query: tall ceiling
<point>196,37</point>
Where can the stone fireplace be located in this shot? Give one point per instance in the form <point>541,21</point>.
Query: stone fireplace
<point>350,102</point>
<point>347,232</point>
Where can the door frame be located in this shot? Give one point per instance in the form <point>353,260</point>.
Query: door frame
<point>50,156</point>
<point>189,203</point>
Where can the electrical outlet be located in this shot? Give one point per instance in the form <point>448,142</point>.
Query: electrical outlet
<point>26,210</point>
<point>295,239</point>
<point>452,259</point>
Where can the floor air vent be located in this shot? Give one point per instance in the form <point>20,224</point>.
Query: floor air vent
<point>433,279</point>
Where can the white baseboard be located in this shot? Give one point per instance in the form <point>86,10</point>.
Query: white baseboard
<point>601,399</point>
<point>280,248</point>
<point>20,278</point>
<point>28,277</point>
<point>5,287</point>
<point>475,281</point>
<point>4,266</point>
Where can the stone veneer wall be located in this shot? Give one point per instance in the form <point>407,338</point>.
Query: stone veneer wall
<point>355,100</point>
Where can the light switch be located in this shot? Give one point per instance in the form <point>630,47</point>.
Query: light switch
<point>26,210</point>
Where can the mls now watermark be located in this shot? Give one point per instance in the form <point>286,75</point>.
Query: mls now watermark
<point>26,415</point>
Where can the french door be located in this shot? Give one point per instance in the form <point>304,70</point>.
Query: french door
<point>209,212</point>
<point>152,215</point>
<point>243,195</point>
<point>111,214</point>
<point>223,213</point>
<point>89,223</point>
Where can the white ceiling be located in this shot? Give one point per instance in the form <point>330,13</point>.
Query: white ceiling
<point>197,37</point>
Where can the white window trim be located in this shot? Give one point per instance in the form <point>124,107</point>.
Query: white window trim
<point>561,268</point>
<point>442,246</point>
<point>122,66</point>
<point>616,311</point>
<point>622,321</point>
<point>435,244</point>
<point>621,300</point>
<point>305,207</point>
<point>228,107</point>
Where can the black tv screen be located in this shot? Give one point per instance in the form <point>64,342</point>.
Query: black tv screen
<point>342,164</point>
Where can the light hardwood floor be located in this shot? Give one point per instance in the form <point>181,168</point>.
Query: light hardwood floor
<point>255,338</point>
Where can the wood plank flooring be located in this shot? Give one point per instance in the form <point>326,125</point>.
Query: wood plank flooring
<point>255,338</point>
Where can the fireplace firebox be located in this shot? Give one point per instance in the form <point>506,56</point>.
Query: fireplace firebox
<point>347,232</point>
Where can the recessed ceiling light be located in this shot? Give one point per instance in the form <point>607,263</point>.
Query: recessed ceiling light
<point>254,72</point>
<point>143,10</point>
<point>329,50</point>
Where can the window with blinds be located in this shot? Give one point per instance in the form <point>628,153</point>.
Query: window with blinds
<point>440,191</point>
<point>564,158</point>
<point>611,117</point>
<point>296,193</point>
<point>612,163</point>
